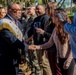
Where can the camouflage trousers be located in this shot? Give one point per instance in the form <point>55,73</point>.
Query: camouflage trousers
<point>32,61</point>
<point>38,62</point>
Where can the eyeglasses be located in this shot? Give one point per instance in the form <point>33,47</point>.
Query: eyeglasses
<point>16,10</point>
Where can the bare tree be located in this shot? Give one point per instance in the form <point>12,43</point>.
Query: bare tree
<point>61,3</point>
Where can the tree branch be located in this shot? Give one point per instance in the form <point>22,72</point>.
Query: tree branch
<point>62,3</point>
<point>59,3</point>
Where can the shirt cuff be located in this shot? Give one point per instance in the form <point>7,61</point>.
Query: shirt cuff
<point>26,47</point>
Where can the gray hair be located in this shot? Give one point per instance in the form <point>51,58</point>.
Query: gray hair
<point>10,5</point>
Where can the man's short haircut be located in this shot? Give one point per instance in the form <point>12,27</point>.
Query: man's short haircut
<point>10,5</point>
<point>41,5</point>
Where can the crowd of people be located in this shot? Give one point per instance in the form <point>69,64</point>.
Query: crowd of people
<point>42,36</point>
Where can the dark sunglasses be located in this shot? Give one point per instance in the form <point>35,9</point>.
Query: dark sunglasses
<point>15,10</point>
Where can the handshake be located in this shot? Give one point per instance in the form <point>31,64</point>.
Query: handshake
<point>31,48</point>
<point>34,47</point>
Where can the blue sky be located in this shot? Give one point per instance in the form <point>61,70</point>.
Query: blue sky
<point>67,2</point>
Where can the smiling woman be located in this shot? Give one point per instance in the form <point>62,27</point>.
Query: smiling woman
<point>2,12</point>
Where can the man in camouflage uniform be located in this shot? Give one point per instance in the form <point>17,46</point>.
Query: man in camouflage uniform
<point>31,57</point>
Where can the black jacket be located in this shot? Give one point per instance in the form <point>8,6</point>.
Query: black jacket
<point>9,46</point>
<point>47,34</point>
<point>39,22</point>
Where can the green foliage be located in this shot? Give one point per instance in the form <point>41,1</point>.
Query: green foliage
<point>32,1</point>
<point>3,2</point>
<point>40,1</point>
<point>71,15</point>
<point>74,9</point>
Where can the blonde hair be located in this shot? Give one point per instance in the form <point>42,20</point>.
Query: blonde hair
<point>50,6</point>
<point>1,8</point>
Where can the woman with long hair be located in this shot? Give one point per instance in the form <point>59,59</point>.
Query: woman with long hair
<point>61,40</point>
<point>48,29</point>
<point>2,12</point>
<point>52,53</point>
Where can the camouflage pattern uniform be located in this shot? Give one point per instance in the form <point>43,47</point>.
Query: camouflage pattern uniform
<point>31,56</point>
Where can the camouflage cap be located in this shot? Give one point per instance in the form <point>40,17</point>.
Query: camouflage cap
<point>33,5</point>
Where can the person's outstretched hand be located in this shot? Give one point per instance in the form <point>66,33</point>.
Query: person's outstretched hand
<point>32,47</point>
<point>38,47</point>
